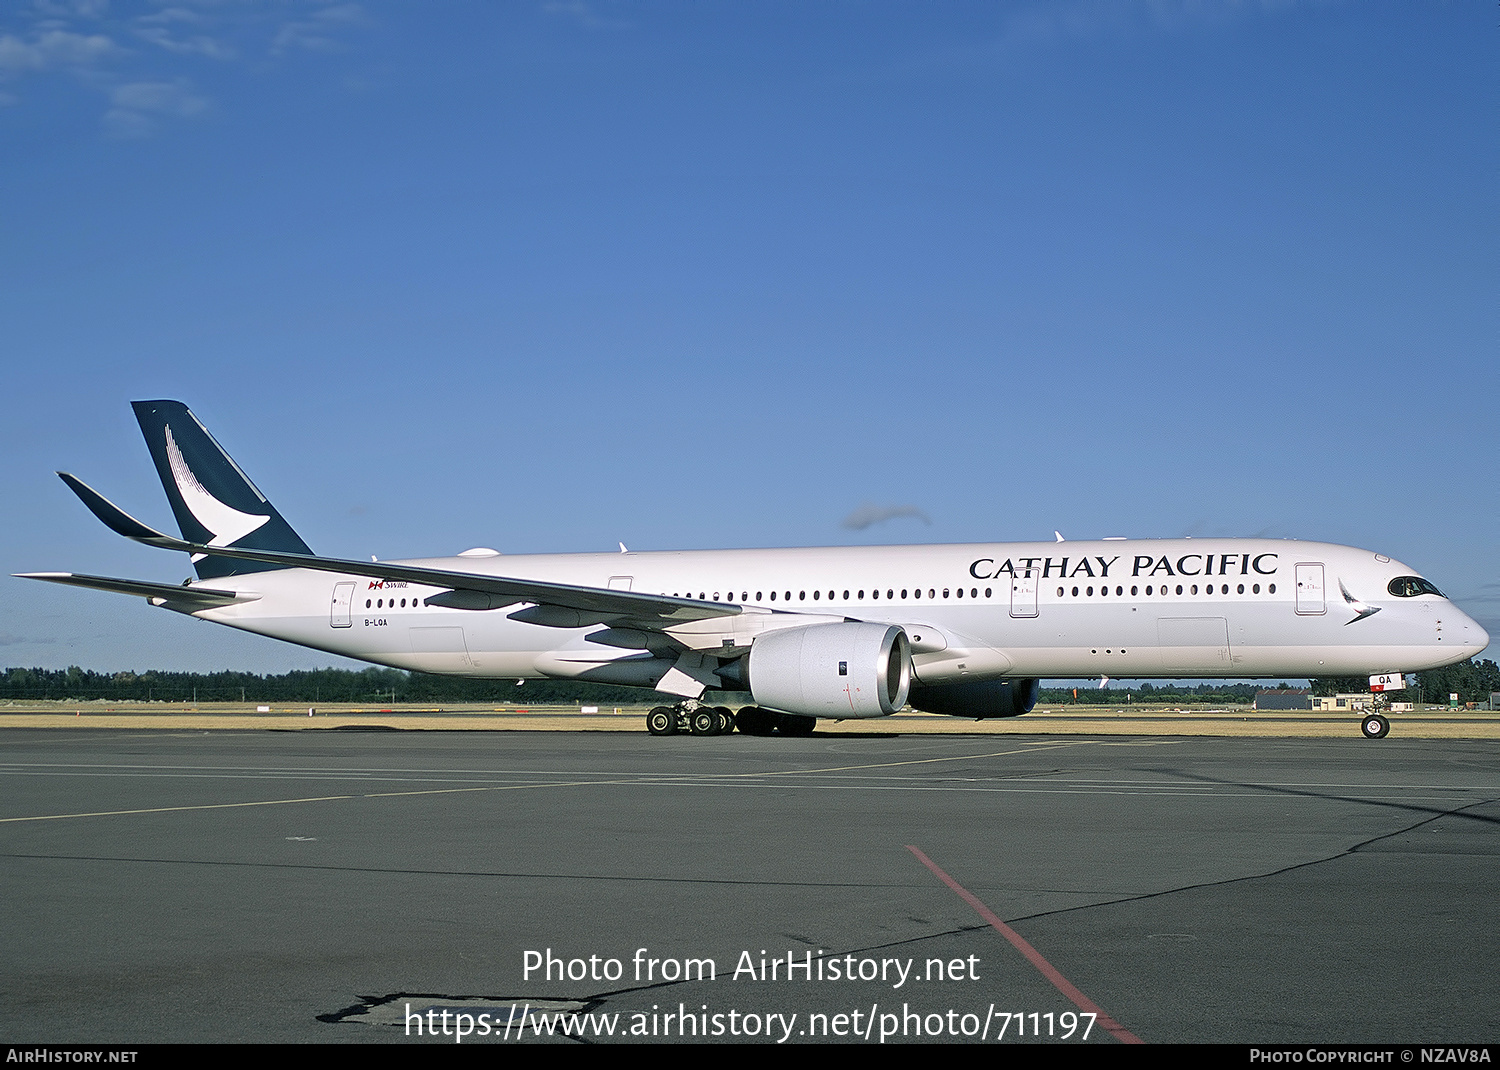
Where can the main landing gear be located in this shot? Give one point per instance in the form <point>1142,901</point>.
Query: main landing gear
<point>695,719</point>
<point>691,718</point>
<point>1374,726</point>
<point>754,721</point>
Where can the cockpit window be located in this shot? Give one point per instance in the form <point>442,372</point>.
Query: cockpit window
<point>1411,586</point>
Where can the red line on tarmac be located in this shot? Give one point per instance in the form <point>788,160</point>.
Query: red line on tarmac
<point>1034,956</point>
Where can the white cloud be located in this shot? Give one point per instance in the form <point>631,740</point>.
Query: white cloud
<point>16,56</point>
<point>148,84</point>
<point>53,49</point>
<point>167,98</point>
<point>200,45</point>
<point>68,9</point>
<point>137,107</point>
<point>584,14</point>
<point>171,14</point>
<point>315,34</point>
<point>869,514</point>
<point>7,639</point>
<point>122,125</point>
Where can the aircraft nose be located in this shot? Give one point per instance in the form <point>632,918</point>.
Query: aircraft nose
<point>1471,635</point>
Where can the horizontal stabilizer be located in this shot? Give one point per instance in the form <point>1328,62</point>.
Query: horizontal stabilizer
<point>201,597</point>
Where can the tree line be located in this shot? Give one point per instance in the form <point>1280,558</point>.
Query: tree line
<point>1215,693</point>
<point>1472,680</point>
<point>309,686</point>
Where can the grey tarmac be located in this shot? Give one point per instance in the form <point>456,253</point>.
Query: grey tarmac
<point>254,886</point>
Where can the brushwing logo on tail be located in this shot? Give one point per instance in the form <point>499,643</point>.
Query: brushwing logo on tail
<point>227,525</point>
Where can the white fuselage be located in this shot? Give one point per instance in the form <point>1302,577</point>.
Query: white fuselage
<point>1118,608</point>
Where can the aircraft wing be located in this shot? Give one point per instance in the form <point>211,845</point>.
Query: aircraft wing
<point>554,604</point>
<point>198,597</point>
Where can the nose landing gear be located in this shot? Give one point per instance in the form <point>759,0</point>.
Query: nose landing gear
<point>1375,726</point>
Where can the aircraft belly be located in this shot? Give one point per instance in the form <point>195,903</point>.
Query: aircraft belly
<point>1068,640</point>
<point>315,633</point>
<point>1133,640</point>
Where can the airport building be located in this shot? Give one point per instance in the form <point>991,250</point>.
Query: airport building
<point>1358,700</point>
<point>1291,698</point>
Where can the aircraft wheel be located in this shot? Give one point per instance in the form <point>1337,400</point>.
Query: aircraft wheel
<point>724,721</point>
<point>704,722</point>
<point>1375,726</point>
<point>792,725</point>
<point>754,721</point>
<point>662,721</point>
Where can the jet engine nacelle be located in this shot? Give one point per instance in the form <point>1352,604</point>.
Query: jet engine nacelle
<point>978,699</point>
<point>832,670</point>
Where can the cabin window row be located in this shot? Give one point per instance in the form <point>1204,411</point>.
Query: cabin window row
<point>889,595</point>
<point>1088,592</point>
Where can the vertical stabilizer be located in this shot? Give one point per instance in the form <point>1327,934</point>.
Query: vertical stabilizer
<point>214,502</point>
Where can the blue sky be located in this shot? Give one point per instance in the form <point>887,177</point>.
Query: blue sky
<point>552,275</point>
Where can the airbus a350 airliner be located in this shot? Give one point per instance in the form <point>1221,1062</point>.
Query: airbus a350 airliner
<point>848,632</point>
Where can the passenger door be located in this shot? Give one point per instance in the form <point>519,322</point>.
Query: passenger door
<point>1310,589</point>
<point>1023,589</point>
<point>339,609</point>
